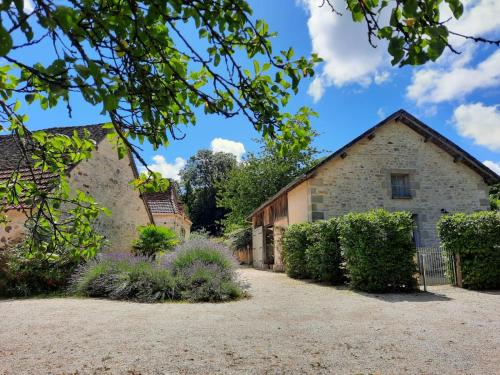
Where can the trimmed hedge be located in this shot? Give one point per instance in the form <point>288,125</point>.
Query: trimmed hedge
<point>324,260</point>
<point>476,237</point>
<point>379,251</point>
<point>295,241</point>
<point>312,250</point>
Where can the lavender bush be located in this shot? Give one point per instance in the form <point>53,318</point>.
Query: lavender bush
<point>197,270</point>
<point>124,277</point>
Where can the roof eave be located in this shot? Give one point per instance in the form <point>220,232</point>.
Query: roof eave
<point>489,176</point>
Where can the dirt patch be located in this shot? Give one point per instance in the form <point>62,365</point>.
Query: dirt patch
<point>288,326</point>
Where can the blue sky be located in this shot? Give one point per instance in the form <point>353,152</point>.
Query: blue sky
<point>354,88</point>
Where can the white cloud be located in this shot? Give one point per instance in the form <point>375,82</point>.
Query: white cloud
<point>343,45</point>
<point>479,19</point>
<point>494,166</point>
<point>167,170</point>
<point>28,6</point>
<point>381,113</point>
<point>443,84</point>
<point>316,89</point>
<point>381,77</point>
<point>228,146</point>
<point>480,123</point>
<point>453,77</point>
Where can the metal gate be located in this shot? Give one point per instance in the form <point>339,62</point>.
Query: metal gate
<point>436,267</point>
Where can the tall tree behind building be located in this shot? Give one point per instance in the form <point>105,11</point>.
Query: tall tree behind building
<point>258,178</point>
<point>200,177</point>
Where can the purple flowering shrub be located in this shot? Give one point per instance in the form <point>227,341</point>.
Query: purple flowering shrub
<point>124,277</point>
<point>197,270</point>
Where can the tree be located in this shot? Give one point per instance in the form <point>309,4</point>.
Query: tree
<point>495,197</point>
<point>415,29</point>
<point>199,179</point>
<point>257,178</point>
<point>144,65</point>
<point>151,66</point>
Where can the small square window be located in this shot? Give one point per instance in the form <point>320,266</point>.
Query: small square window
<point>400,184</point>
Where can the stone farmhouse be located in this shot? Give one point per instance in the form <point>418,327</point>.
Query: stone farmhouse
<point>399,164</point>
<point>107,179</point>
<point>168,211</point>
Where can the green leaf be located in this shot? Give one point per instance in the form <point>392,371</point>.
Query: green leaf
<point>396,49</point>
<point>256,67</point>
<point>5,41</point>
<point>410,8</point>
<point>457,8</point>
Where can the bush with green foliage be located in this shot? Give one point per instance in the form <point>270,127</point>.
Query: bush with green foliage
<point>295,241</point>
<point>324,260</point>
<point>476,238</point>
<point>378,249</point>
<point>198,270</point>
<point>25,272</point>
<point>124,277</point>
<point>204,271</point>
<point>241,238</point>
<point>495,197</point>
<point>153,240</point>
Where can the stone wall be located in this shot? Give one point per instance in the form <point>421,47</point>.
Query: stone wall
<point>362,180</point>
<point>107,179</point>
<point>13,231</point>
<point>176,222</point>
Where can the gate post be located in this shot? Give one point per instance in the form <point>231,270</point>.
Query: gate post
<point>458,270</point>
<point>423,272</point>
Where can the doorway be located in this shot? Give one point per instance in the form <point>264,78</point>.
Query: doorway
<point>269,246</point>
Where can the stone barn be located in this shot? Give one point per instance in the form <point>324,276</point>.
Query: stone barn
<point>107,179</point>
<point>168,211</point>
<point>400,164</point>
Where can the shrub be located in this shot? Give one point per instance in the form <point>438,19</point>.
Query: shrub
<point>240,238</point>
<point>24,272</point>
<point>204,271</point>
<point>295,241</point>
<point>124,277</point>
<point>476,237</point>
<point>153,240</point>
<point>378,250</point>
<point>323,254</point>
<point>207,282</point>
<point>197,270</point>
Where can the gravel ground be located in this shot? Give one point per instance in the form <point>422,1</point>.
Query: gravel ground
<point>288,326</point>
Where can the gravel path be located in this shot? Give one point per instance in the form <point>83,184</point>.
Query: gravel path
<point>288,326</point>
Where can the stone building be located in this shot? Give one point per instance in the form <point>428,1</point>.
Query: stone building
<point>399,164</point>
<point>168,211</point>
<point>105,177</point>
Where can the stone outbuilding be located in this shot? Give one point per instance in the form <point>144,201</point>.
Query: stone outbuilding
<point>400,164</point>
<point>168,211</point>
<point>106,178</point>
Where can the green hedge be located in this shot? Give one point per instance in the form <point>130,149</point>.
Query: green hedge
<point>295,241</point>
<point>379,251</point>
<point>324,259</point>
<point>312,250</point>
<point>476,237</point>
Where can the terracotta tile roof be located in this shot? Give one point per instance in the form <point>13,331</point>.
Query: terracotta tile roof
<point>11,152</point>
<point>164,203</point>
<point>12,159</point>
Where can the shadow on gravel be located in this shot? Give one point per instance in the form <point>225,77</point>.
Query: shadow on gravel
<point>490,292</point>
<point>417,296</point>
<point>407,297</point>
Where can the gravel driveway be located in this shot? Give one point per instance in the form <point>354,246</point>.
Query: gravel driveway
<point>288,326</point>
